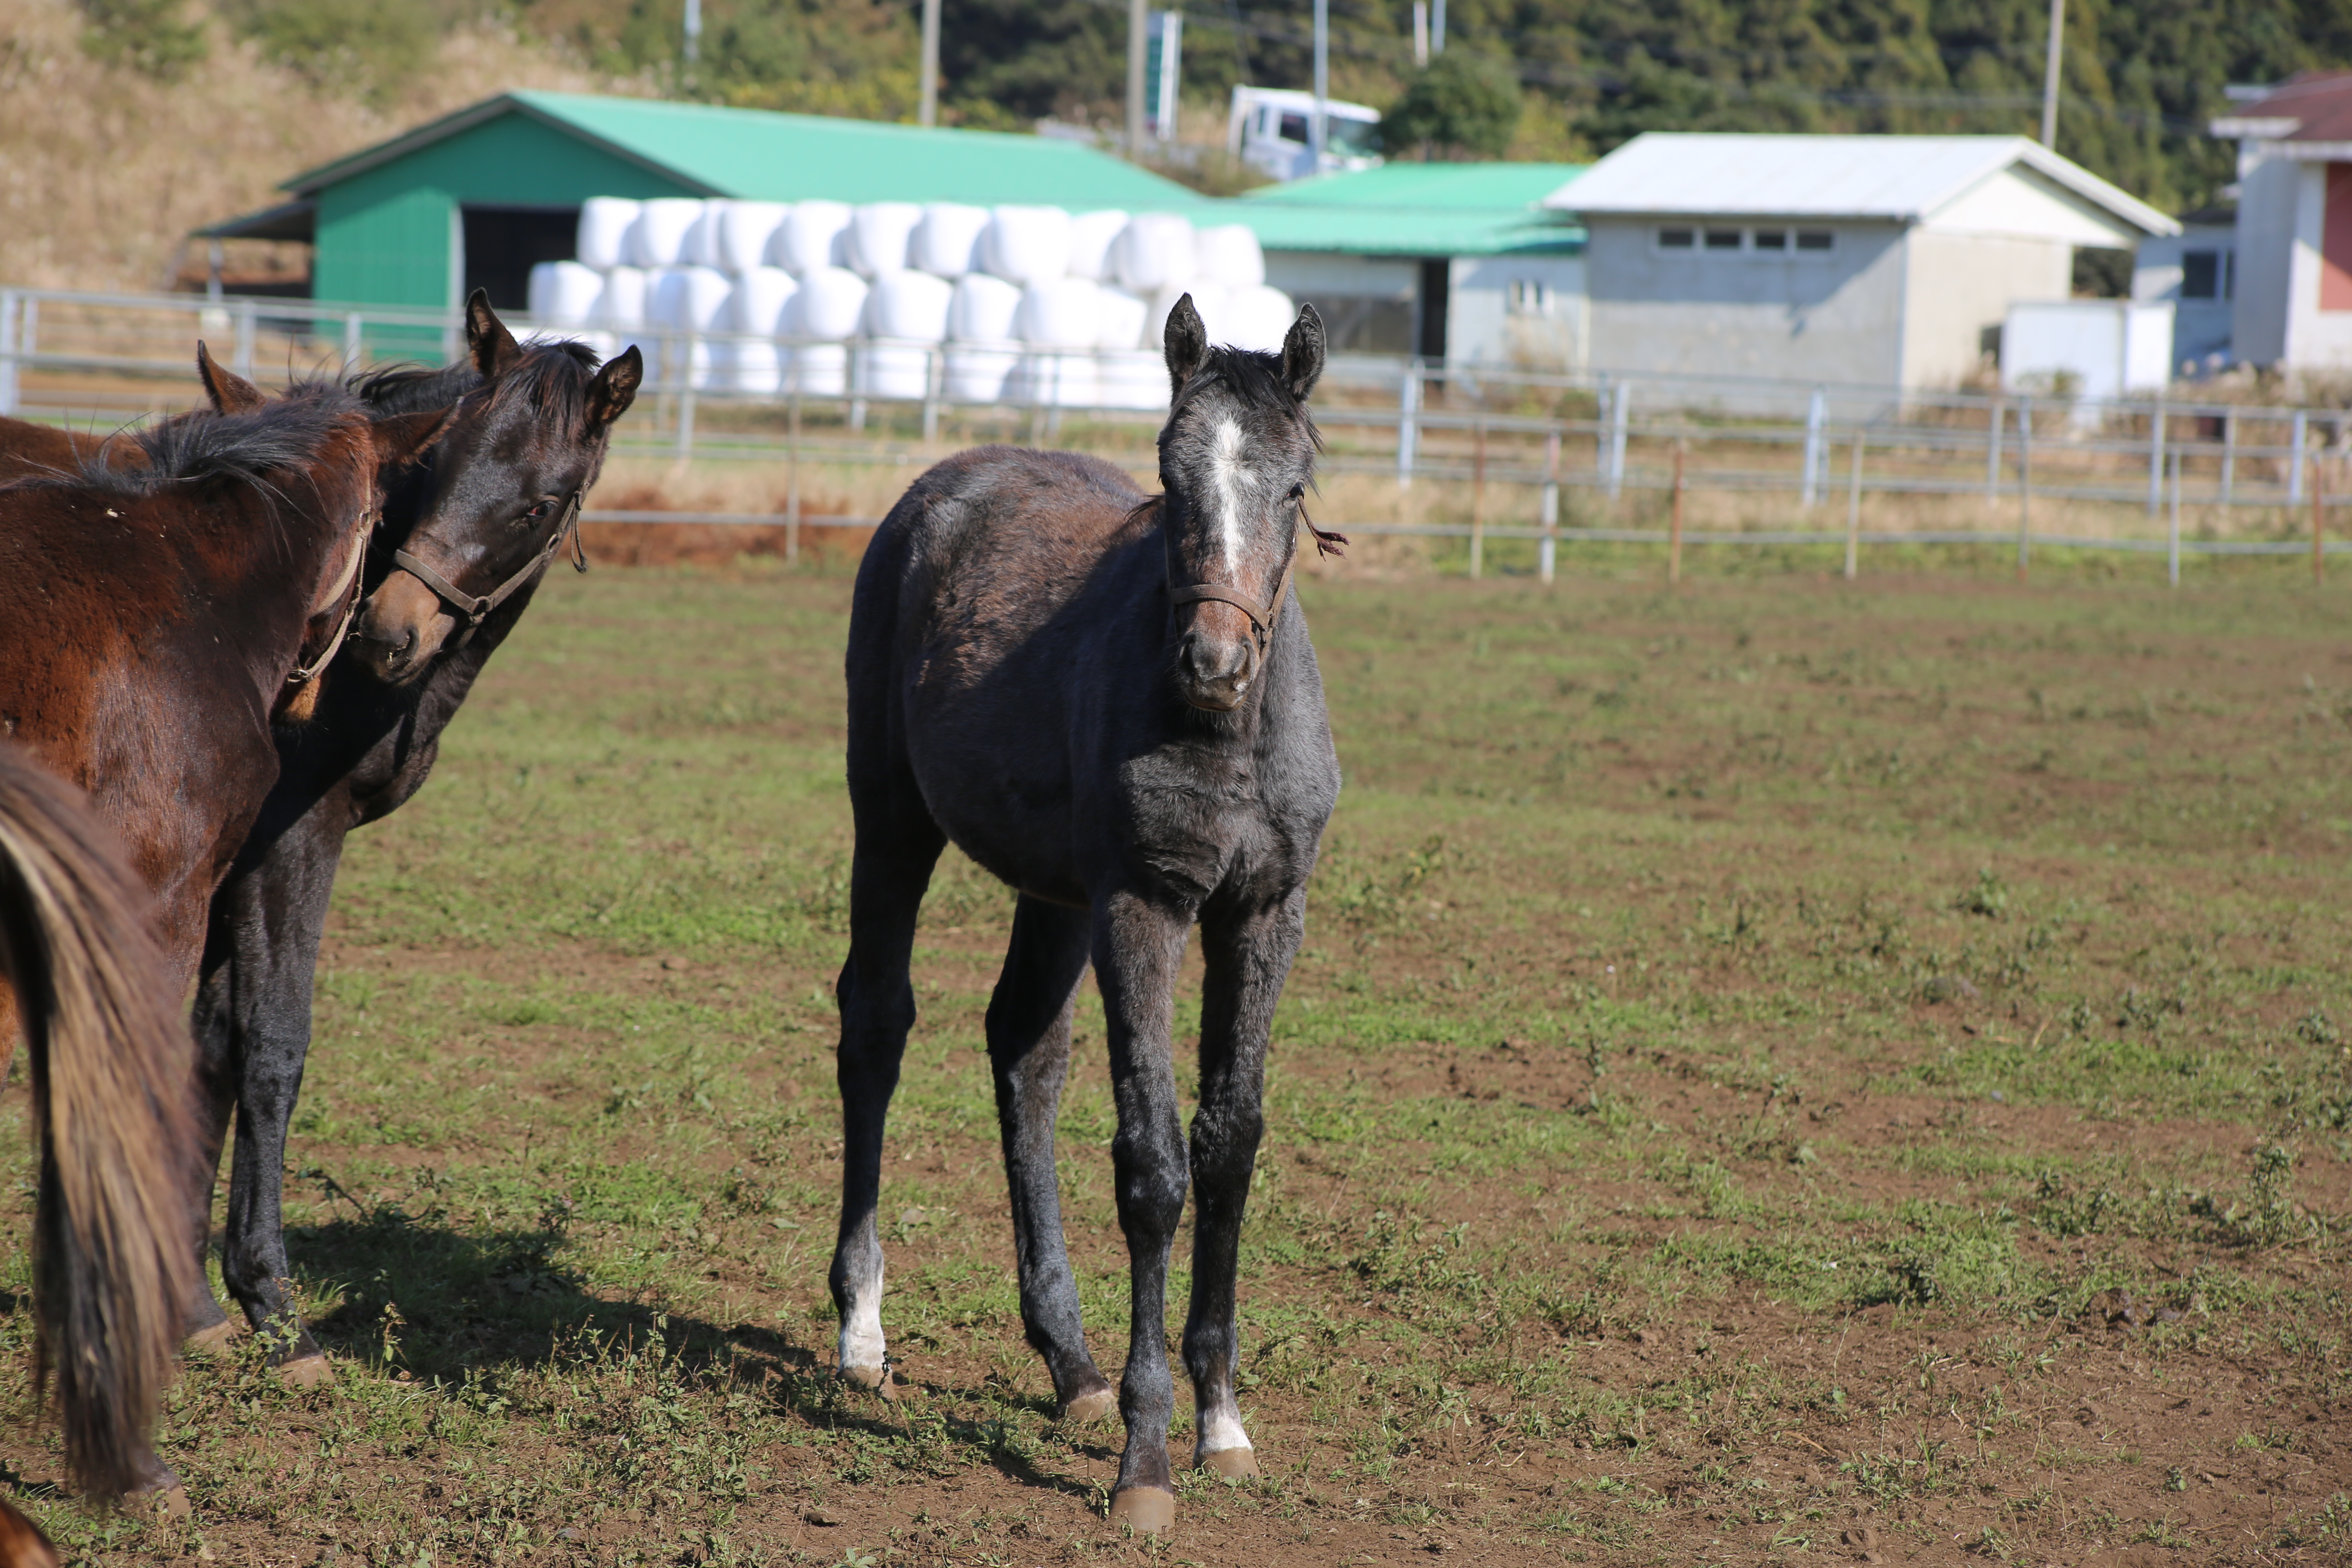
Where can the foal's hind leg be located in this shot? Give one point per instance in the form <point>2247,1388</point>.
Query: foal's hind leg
<point>1029,1048</point>
<point>1247,956</point>
<point>895,851</point>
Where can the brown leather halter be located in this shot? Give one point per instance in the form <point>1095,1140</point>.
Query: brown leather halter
<point>348,590</point>
<point>1262,616</point>
<point>474,611</point>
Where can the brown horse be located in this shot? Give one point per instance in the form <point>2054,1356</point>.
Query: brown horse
<point>110,1065</point>
<point>31,451</point>
<point>158,606</point>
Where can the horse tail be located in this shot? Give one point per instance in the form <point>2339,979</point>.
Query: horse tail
<point>112,1067</point>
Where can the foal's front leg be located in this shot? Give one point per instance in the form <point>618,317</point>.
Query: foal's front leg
<point>1139,946</point>
<point>1247,956</point>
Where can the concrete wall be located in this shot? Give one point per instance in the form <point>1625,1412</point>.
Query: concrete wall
<point>1833,318</point>
<point>2266,219</point>
<point>1366,302</point>
<point>390,234</point>
<point>1522,313</point>
<point>2315,339</point>
<point>1959,287</point>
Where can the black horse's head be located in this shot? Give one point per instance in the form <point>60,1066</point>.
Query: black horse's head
<point>504,484</point>
<point>1236,458</point>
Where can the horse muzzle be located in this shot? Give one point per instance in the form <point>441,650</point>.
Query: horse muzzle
<point>400,629</point>
<point>1216,673</point>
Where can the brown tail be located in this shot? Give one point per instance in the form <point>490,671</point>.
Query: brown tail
<point>111,1065</point>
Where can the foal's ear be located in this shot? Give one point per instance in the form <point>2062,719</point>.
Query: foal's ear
<point>493,347</point>
<point>1186,343</point>
<point>403,437</point>
<point>615,388</point>
<point>229,392</point>
<point>1302,353</point>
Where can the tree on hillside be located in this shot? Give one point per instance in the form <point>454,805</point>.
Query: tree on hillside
<point>1464,104</point>
<point>151,36</point>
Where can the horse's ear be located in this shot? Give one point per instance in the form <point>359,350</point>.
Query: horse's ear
<point>615,388</point>
<point>1302,353</point>
<point>403,437</point>
<point>1186,343</point>
<point>487,339</point>
<point>229,392</point>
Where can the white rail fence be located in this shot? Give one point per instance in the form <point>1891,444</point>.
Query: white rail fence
<point>1609,443</point>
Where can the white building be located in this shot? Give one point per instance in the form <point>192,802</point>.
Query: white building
<point>2196,271</point>
<point>2293,242</point>
<point>1876,260</point>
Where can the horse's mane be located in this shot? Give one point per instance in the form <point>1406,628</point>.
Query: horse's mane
<point>1254,379</point>
<point>203,447</point>
<point>552,376</point>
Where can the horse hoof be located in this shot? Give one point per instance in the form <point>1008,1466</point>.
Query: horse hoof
<point>1146,1510</point>
<point>1100,1405</point>
<point>306,1372</point>
<point>213,1341</point>
<point>873,1379</point>
<point>168,1503</point>
<point>1234,1464</point>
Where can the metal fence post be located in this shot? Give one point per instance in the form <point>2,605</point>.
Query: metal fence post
<point>1550,514</point>
<point>2295,463</point>
<point>1620,406</point>
<point>2172,530</point>
<point>2156,458</point>
<point>8,351</point>
<point>792,469</point>
<point>247,326</point>
<point>934,382</point>
<point>2229,454</point>
<point>1853,507</point>
<point>1993,455</point>
<point>1815,455</point>
<point>692,341</point>
<point>2024,479</point>
<point>354,343</point>
<point>1408,421</point>
<point>1605,398</point>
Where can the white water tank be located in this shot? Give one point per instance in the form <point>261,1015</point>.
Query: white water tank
<point>947,242</point>
<point>1054,379</point>
<point>622,305</point>
<point>977,372</point>
<point>899,372</point>
<point>909,305</point>
<point>813,236</point>
<point>690,299</point>
<point>1124,316</point>
<point>878,233</point>
<point>602,241</point>
<point>1131,378</point>
<point>1255,318</point>
<point>1065,313</point>
<point>1027,245</point>
<point>820,370</point>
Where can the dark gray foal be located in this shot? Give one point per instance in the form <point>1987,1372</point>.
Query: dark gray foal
<point>1110,701</point>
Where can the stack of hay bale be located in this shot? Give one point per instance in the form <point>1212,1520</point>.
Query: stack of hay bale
<point>1022,304</point>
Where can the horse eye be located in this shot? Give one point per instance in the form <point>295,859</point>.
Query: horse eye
<point>535,513</point>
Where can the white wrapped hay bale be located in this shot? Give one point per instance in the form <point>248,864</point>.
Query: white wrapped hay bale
<point>1027,245</point>
<point>813,237</point>
<point>690,299</point>
<point>621,306</point>
<point>564,293</point>
<point>1092,235</point>
<point>745,231</point>
<point>761,298</point>
<point>1066,313</point>
<point>700,247</point>
<point>911,306</point>
<point>947,242</point>
<point>1229,257</point>
<point>1153,252</point>
<point>1054,379</point>
<point>983,309</point>
<point>1130,378</point>
<point>1123,320</point>
<point>830,305</point>
<point>658,237</point>
<point>977,372</point>
<point>820,370</point>
<point>603,240</point>
<point>1255,318</point>
<point>748,365</point>
<point>878,236</point>
<point>894,372</point>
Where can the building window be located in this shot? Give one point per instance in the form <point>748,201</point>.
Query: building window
<point>1815,239</point>
<point>1723,239</point>
<point>1676,239</point>
<point>2200,274</point>
<point>1529,297</point>
<point>1772,240</point>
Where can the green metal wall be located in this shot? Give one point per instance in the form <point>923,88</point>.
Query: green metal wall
<point>388,235</point>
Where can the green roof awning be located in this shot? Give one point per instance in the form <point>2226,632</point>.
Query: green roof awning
<point>1417,209</point>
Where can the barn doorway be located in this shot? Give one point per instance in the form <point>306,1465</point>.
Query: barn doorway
<point>503,244</point>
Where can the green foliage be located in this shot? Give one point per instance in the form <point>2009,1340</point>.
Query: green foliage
<point>342,45</point>
<point>151,37</point>
<point>1465,104</point>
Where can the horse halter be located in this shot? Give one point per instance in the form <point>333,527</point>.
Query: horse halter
<point>348,590</point>
<point>474,611</point>
<point>1262,616</point>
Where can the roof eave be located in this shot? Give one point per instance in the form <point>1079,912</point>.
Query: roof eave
<point>312,180</point>
<point>292,221</point>
<point>2254,126</point>
<point>2093,189</point>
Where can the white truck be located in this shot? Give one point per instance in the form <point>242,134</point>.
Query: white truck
<point>1267,128</point>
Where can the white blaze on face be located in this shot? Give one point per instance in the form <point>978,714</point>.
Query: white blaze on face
<point>1231,478</point>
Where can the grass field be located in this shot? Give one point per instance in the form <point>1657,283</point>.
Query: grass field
<point>1787,1071</point>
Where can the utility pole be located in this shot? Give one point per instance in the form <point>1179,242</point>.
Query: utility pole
<point>1317,133</point>
<point>1420,34</point>
<point>927,104</point>
<point>1437,29</point>
<point>2049,74</point>
<point>1138,26</point>
<point>693,31</point>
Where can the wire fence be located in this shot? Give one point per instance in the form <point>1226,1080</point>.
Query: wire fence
<point>1552,456</point>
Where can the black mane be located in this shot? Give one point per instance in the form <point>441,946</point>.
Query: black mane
<point>203,447</point>
<point>552,376</point>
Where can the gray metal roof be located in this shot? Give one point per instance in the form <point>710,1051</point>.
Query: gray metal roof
<point>1899,179</point>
